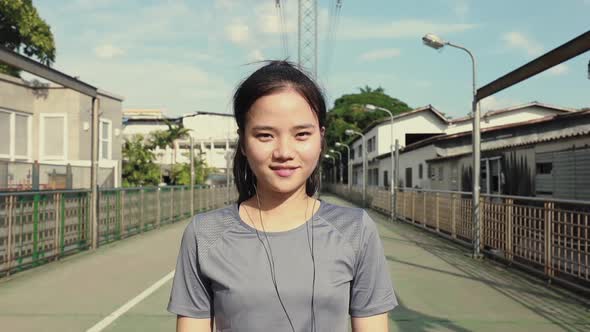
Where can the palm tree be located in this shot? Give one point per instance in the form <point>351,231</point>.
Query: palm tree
<point>168,138</point>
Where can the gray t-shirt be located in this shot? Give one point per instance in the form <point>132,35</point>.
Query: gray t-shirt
<point>223,271</point>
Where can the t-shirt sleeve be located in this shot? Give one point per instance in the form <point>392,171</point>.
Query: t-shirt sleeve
<point>191,291</point>
<point>371,291</point>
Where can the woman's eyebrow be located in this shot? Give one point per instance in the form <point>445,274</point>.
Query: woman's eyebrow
<point>263,128</point>
<point>304,126</point>
<point>301,126</point>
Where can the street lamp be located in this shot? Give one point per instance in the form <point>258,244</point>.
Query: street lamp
<point>372,108</point>
<point>339,163</point>
<point>350,132</point>
<point>338,144</point>
<point>437,43</point>
<point>333,169</point>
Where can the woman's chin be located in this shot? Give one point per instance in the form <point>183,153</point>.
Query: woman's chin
<point>286,188</point>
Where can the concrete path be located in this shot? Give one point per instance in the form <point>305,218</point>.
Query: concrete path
<point>439,287</point>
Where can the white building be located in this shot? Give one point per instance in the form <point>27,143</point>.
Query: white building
<point>416,129</point>
<point>408,128</point>
<point>214,135</point>
<point>45,136</point>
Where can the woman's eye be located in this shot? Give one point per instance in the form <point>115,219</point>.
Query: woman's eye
<point>303,134</point>
<point>263,136</point>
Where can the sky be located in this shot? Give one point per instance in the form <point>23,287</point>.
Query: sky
<point>185,56</point>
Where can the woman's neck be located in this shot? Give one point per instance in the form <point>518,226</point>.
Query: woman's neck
<point>279,211</point>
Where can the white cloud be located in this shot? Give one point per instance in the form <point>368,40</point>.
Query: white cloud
<point>560,69</point>
<point>461,7</point>
<point>493,103</point>
<point>237,33</point>
<point>192,86</point>
<point>353,29</point>
<point>381,54</point>
<point>521,42</point>
<point>226,4</point>
<point>269,21</point>
<point>108,51</point>
<point>256,55</point>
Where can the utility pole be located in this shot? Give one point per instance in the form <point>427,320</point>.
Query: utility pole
<point>307,42</point>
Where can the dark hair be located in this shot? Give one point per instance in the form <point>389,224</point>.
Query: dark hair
<point>271,78</point>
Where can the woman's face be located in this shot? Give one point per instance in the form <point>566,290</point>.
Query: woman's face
<point>282,141</point>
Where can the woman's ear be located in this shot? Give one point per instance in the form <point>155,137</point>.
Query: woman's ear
<point>322,131</point>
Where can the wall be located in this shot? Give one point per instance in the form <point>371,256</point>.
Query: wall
<point>18,95</point>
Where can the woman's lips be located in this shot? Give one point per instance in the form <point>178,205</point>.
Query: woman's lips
<point>284,172</point>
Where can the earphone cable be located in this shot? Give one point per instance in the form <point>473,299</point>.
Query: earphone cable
<point>270,258</point>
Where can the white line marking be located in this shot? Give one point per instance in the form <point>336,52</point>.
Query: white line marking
<point>123,309</point>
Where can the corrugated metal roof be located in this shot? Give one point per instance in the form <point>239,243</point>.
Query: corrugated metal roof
<point>534,138</point>
<point>517,125</point>
<point>512,109</point>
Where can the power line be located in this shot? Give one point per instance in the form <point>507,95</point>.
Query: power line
<point>334,21</point>
<point>282,22</point>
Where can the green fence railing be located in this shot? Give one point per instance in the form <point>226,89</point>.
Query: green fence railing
<point>42,226</point>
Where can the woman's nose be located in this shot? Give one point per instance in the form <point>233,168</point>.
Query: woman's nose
<point>283,150</point>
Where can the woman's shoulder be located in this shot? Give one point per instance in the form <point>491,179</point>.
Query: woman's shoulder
<point>209,225</point>
<point>350,222</point>
<point>344,216</point>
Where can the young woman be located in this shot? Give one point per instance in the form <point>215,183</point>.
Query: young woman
<point>280,259</point>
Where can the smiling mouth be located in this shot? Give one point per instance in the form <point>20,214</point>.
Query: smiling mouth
<point>284,172</point>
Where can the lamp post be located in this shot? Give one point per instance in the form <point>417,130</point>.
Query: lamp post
<point>437,43</point>
<point>349,168</point>
<point>350,132</point>
<point>339,162</point>
<point>334,168</point>
<point>372,108</point>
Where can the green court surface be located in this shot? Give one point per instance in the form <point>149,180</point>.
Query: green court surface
<point>438,286</point>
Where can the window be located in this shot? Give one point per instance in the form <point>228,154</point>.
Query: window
<point>15,133</point>
<point>5,133</point>
<point>385,179</point>
<point>431,174</point>
<point>351,154</point>
<point>420,170</point>
<point>544,168</point>
<point>371,144</point>
<point>409,177</point>
<point>21,135</point>
<point>440,173</point>
<point>105,139</point>
<point>375,177</point>
<point>53,138</point>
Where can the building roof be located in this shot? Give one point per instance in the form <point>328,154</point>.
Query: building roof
<point>206,113</point>
<point>143,113</point>
<point>513,109</point>
<point>513,139</point>
<point>157,116</point>
<point>522,124</point>
<point>428,108</point>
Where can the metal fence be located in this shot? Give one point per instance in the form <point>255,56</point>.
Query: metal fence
<point>38,227</point>
<point>546,236</point>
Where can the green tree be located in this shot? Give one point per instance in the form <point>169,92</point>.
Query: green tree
<point>22,30</point>
<point>349,112</point>
<point>139,168</point>
<point>182,172</point>
<point>168,138</point>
